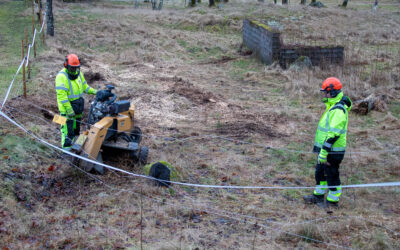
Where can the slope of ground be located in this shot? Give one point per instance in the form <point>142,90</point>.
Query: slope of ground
<point>219,116</point>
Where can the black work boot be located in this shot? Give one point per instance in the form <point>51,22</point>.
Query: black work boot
<point>313,199</point>
<point>328,205</point>
<point>332,204</point>
<point>67,142</point>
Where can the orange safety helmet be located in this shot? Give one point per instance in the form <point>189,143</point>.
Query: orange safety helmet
<point>72,60</point>
<point>332,85</point>
<point>72,65</point>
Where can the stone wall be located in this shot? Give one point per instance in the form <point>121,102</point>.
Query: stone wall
<point>261,39</point>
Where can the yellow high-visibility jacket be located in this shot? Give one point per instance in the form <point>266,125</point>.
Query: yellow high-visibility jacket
<point>331,135</point>
<point>69,90</point>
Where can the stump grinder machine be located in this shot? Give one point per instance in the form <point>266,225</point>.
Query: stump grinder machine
<point>110,128</point>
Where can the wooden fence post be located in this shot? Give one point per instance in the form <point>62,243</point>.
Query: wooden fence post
<point>23,67</point>
<point>41,20</point>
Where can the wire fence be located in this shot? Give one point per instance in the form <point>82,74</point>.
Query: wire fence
<point>196,137</point>
<point>244,219</point>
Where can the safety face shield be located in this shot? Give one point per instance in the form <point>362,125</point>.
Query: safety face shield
<point>73,70</point>
<point>324,96</point>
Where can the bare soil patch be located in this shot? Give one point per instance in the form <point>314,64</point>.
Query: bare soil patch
<point>189,91</point>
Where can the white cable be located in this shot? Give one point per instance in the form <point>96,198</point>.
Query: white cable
<point>34,37</point>
<point>26,60</point>
<point>27,56</point>
<point>9,87</point>
<point>44,18</point>
<point>265,226</point>
<point>386,184</point>
<point>382,184</point>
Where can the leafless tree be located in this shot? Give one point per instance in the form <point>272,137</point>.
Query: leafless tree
<point>50,18</point>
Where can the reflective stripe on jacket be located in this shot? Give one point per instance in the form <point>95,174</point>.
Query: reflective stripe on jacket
<point>69,90</point>
<point>332,127</point>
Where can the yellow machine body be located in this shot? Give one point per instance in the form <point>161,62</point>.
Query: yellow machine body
<point>92,139</point>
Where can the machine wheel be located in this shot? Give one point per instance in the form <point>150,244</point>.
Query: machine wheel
<point>136,135</point>
<point>143,154</point>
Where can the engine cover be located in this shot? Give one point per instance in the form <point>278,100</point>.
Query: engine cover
<point>119,107</point>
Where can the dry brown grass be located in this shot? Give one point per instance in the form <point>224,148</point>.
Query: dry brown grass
<point>165,63</point>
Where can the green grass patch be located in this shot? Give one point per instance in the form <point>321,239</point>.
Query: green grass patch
<point>286,160</point>
<point>201,52</point>
<point>394,108</point>
<point>182,43</point>
<point>292,194</point>
<point>240,67</point>
<point>368,122</point>
<point>356,178</point>
<point>15,149</point>
<point>12,31</point>
<point>222,27</point>
<point>81,15</point>
<point>19,156</point>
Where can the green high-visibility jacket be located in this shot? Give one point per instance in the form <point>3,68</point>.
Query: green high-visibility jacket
<point>69,90</point>
<point>332,127</point>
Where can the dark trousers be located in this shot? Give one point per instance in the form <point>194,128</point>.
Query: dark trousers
<point>323,172</point>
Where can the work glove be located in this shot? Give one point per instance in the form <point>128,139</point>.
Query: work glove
<point>70,113</point>
<point>322,157</point>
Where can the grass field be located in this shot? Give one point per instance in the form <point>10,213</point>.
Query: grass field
<point>234,121</point>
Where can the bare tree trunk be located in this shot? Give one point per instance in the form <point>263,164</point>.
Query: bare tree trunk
<point>284,1</point>
<point>39,2</point>
<point>192,3</point>
<point>345,3</point>
<point>50,18</point>
<point>303,2</point>
<point>211,3</point>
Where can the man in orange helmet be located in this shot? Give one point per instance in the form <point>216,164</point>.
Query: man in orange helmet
<point>70,86</point>
<point>330,143</point>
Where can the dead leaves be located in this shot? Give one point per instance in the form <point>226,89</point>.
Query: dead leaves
<point>19,193</point>
<point>225,179</point>
<point>5,157</point>
<point>69,219</point>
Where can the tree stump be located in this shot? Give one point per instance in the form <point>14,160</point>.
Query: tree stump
<point>369,103</point>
